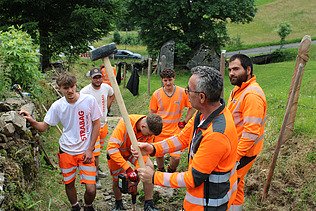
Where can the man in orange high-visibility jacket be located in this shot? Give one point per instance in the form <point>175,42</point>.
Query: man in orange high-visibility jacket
<point>248,105</point>
<point>211,136</point>
<point>169,102</point>
<point>119,154</point>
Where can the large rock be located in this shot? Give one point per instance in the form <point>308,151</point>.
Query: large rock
<point>15,118</point>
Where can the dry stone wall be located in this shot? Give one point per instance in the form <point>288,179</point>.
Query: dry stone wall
<point>19,157</point>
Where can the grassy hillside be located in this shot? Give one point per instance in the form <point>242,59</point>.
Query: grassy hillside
<point>300,14</point>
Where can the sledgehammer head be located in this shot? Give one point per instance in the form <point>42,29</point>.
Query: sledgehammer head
<point>103,51</point>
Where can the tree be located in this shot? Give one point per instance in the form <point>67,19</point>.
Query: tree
<point>60,25</point>
<point>189,23</point>
<point>283,31</point>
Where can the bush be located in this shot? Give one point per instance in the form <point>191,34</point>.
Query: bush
<point>283,31</point>
<point>19,60</point>
<point>131,39</point>
<point>117,37</point>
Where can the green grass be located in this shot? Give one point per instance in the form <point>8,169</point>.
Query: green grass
<point>300,14</point>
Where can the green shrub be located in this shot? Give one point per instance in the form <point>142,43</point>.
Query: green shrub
<point>131,39</point>
<point>117,37</point>
<point>19,60</point>
<point>284,30</point>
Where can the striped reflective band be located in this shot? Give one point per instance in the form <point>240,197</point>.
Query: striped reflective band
<point>87,168</point>
<point>86,177</point>
<point>68,170</point>
<point>70,177</point>
<point>220,178</point>
<point>112,151</point>
<point>116,141</point>
<point>211,202</point>
<point>180,180</point>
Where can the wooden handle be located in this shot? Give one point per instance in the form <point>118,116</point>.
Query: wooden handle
<point>120,102</point>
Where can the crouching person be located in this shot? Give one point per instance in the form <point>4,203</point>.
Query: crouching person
<point>119,155</point>
<point>80,116</point>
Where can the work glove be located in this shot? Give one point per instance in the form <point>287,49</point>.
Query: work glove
<point>181,124</point>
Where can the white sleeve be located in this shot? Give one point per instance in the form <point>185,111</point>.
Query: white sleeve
<point>52,117</point>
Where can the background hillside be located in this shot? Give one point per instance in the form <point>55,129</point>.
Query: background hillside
<point>299,14</point>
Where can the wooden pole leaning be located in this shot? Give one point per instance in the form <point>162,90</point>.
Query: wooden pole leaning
<point>282,131</point>
<point>222,69</point>
<point>120,102</point>
<point>301,59</point>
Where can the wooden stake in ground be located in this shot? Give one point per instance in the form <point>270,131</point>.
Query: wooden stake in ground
<point>222,69</point>
<point>148,76</point>
<point>297,79</point>
<point>302,58</point>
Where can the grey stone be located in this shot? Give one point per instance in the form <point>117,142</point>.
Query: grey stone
<point>166,56</point>
<point>15,102</point>
<point>9,129</point>
<point>15,118</point>
<point>205,56</point>
<point>164,192</point>
<point>29,107</point>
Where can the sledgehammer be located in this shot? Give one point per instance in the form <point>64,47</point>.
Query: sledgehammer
<point>104,52</point>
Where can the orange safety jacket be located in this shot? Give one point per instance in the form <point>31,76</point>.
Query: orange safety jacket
<point>119,145</point>
<point>105,76</point>
<point>170,110</point>
<point>249,108</point>
<point>211,178</point>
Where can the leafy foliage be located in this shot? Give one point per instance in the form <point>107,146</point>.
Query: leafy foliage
<point>19,60</point>
<point>188,22</point>
<point>60,26</point>
<point>283,31</point>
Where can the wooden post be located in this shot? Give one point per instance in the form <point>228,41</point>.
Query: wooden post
<point>148,76</point>
<point>294,86</point>
<point>302,58</point>
<point>222,69</point>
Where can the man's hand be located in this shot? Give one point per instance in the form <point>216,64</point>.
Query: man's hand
<point>181,124</point>
<point>146,174</point>
<point>145,149</point>
<point>88,156</point>
<point>27,116</point>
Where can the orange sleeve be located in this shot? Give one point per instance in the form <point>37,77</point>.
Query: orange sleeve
<point>177,142</point>
<point>115,142</point>
<point>153,104</point>
<point>213,148</point>
<point>253,115</point>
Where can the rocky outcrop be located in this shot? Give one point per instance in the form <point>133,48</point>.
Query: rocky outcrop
<point>18,153</point>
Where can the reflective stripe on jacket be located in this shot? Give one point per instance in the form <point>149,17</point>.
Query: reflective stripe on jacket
<point>211,178</point>
<point>119,145</point>
<point>249,107</point>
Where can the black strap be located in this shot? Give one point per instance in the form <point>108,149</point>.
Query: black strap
<point>197,129</point>
<point>244,161</point>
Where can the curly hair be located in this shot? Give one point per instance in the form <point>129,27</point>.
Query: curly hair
<point>167,73</point>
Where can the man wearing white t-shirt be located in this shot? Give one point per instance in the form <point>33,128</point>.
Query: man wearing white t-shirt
<point>104,95</point>
<point>80,116</point>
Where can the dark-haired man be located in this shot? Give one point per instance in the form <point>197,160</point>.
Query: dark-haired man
<point>248,105</point>
<point>168,102</point>
<point>80,116</point>
<point>120,156</point>
<point>104,95</point>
